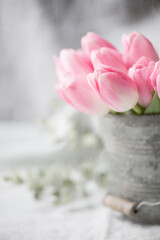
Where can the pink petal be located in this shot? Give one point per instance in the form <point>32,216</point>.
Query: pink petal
<point>154,75</point>
<point>109,57</point>
<point>158,85</point>
<point>61,93</point>
<point>74,62</point>
<point>93,82</point>
<point>136,47</point>
<point>142,62</point>
<point>141,78</point>
<point>118,90</point>
<point>92,41</point>
<point>80,95</point>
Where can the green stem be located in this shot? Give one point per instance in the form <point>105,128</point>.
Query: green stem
<point>138,109</point>
<point>115,113</point>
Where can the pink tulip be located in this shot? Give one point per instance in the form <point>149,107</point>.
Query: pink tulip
<point>72,69</point>
<point>155,78</point>
<point>115,88</point>
<point>135,45</point>
<point>92,42</point>
<point>74,62</point>
<point>108,57</point>
<point>140,74</point>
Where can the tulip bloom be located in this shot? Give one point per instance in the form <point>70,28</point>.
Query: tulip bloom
<point>140,74</point>
<point>108,57</point>
<point>115,88</point>
<point>72,68</point>
<point>155,78</point>
<point>135,46</point>
<point>92,42</point>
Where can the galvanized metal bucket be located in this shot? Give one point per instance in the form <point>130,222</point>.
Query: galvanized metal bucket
<point>132,145</point>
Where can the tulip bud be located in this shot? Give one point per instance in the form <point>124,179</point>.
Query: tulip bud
<point>72,69</point>
<point>92,42</point>
<point>155,78</point>
<point>74,62</point>
<point>115,88</point>
<point>140,74</point>
<point>81,96</point>
<point>108,57</point>
<point>135,46</point>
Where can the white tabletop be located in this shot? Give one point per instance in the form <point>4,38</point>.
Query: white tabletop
<point>24,218</point>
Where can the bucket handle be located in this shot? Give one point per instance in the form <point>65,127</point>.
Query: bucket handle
<point>128,208</point>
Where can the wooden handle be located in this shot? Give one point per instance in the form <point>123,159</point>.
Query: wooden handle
<point>119,204</point>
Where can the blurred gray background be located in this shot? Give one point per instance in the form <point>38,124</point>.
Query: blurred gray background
<point>32,31</point>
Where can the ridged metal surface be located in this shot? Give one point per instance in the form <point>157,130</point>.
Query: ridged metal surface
<point>133,157</point>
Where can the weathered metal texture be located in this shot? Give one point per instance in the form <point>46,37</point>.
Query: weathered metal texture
<point>133,154</point>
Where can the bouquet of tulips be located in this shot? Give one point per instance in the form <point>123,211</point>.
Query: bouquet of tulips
<point>98,79</point>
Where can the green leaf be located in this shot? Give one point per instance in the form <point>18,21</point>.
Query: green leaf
<point>154,106</point>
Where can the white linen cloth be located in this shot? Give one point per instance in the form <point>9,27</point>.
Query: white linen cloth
<point>23,218</point>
